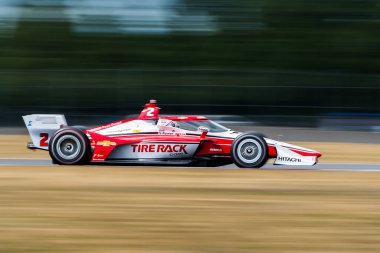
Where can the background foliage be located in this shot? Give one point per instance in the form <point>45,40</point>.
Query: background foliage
<point>273,57</point>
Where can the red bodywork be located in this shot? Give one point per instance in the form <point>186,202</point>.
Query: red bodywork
<point>210,146</point>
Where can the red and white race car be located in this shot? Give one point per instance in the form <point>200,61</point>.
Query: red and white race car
<point>154,139</point>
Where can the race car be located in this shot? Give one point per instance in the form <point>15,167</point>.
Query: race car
<point>154,139</point>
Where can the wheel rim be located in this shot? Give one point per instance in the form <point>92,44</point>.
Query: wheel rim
<point>249,151</point>
<point>68,147</point>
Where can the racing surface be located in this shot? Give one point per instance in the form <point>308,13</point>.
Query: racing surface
<point>268,166</point>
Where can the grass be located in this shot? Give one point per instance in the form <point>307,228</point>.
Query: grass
<point>152,210</point>
<point>139,209</point>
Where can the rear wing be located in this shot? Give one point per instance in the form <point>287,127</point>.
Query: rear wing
<point>41,128</point>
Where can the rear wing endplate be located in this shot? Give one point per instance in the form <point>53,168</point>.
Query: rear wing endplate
<point>41,128</point>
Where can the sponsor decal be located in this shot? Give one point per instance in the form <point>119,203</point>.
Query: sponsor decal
<point>106,126</point>
<point>164,148</point>
<point>171,133</point>
<point>216,150</point>
<point>47,119</point>
<point>106,143</point>
<point>30,123</point>
<point>117,131</point>
<point>289,159</point>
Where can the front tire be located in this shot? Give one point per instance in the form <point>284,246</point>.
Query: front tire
<point>249,151</point>
<point>70,146</point>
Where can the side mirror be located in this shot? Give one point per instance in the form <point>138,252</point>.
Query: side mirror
<point>203,129</point>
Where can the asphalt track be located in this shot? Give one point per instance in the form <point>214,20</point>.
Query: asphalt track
<point>321,166</point>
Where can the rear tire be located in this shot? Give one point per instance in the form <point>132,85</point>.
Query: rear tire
<point>70,146</point>
<point>249,151</point>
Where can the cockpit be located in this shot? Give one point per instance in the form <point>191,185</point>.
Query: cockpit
<point>193,125</point>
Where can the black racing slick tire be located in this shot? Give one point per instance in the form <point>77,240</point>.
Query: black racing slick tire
<point>70,146</point>
<point>249,150</point>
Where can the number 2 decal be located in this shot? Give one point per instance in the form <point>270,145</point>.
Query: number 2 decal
<point>150,112</point>
<point>44,138</point>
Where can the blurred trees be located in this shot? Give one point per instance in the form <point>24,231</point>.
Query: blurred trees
<point>263,57</point>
